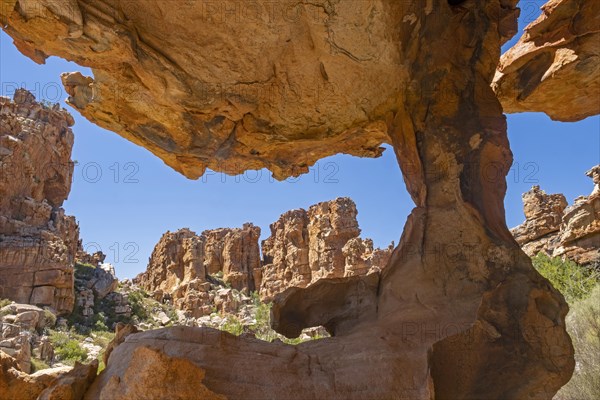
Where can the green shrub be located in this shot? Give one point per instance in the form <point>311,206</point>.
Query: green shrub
<point>233,325</point>
<point>583,325</point>
<point>5,302</point>
<point>574,281</point>
<point>49,319</point>
<point>67,348</point>
<point>38,365</point>
<point>138,309</point>
<point>100,326</point>
<point>262,328</point>
<point>102,338</point>
<point>84,271</point>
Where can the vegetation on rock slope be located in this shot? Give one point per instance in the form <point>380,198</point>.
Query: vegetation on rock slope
<point>581,287</point>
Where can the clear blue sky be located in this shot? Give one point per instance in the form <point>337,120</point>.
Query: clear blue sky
<point>126,213</point>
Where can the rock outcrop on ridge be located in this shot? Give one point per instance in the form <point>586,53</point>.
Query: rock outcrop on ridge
<point>458,301</point>
<point>182,262</point>
<point>554,67</point>
<point>38,242</point>
<point>304,247</point>
<point>572,232</point>
<point>321,243</point>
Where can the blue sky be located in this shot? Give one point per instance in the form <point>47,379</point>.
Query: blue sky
<point>125,198</point>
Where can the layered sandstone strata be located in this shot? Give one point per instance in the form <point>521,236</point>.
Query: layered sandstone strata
<point>38,241</point>
<point>572,232</point>
<point>321,243</point>
<point>432,326</point>
<point>554,67</point>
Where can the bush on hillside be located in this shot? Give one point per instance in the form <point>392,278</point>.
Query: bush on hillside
<point>583,325</point>
<point>574,281</point>
<point>67,348</point>
<point>84,271</point>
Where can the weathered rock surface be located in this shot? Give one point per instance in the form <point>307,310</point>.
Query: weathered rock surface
<point>458,301</point>
<point>543,217</point>
<point>182,263</point>
<point>560,231</point>
<point>321,243</point>
<point>84,257</point>
<point>304,246</point>
<point>235,253</point>
<point>19,324</point>
<point>155,368</point>
<point>297,104</point>
<point>73,384</point>
<point>16,384</point>
<point>37,241</point>
<point>93,285</point>
<point>554,67</point>
<point>579,237</point>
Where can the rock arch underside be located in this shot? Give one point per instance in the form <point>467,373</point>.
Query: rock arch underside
<point>459,313</point>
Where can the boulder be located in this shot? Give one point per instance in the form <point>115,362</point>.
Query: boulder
<point>104,281</point>
<point>73,384</point>
<point>147,381</point>
<point>15,384</point>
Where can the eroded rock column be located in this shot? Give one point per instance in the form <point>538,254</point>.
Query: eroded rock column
<point>458,282</point>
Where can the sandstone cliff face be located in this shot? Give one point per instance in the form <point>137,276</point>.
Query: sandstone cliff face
<point>37,241</point>
<point>560,231</point>
<point>321,243</point>
<point>423,69</point>
<point>181,264</point>
<point>304,246</point>
<point>554,67</point>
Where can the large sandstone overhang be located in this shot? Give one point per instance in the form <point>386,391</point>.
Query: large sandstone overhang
<point>555,66</point>
<point>226,85</point>
<point>459,313</point>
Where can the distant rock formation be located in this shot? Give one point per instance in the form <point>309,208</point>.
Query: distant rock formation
<point>323,242</point>
<point>560,231</point>
<point>304,247</point>
<point>182,262</point>
<point>84,257</point>
<point>93,285</point>
<point>38,241</point>
<point>554,67</point>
